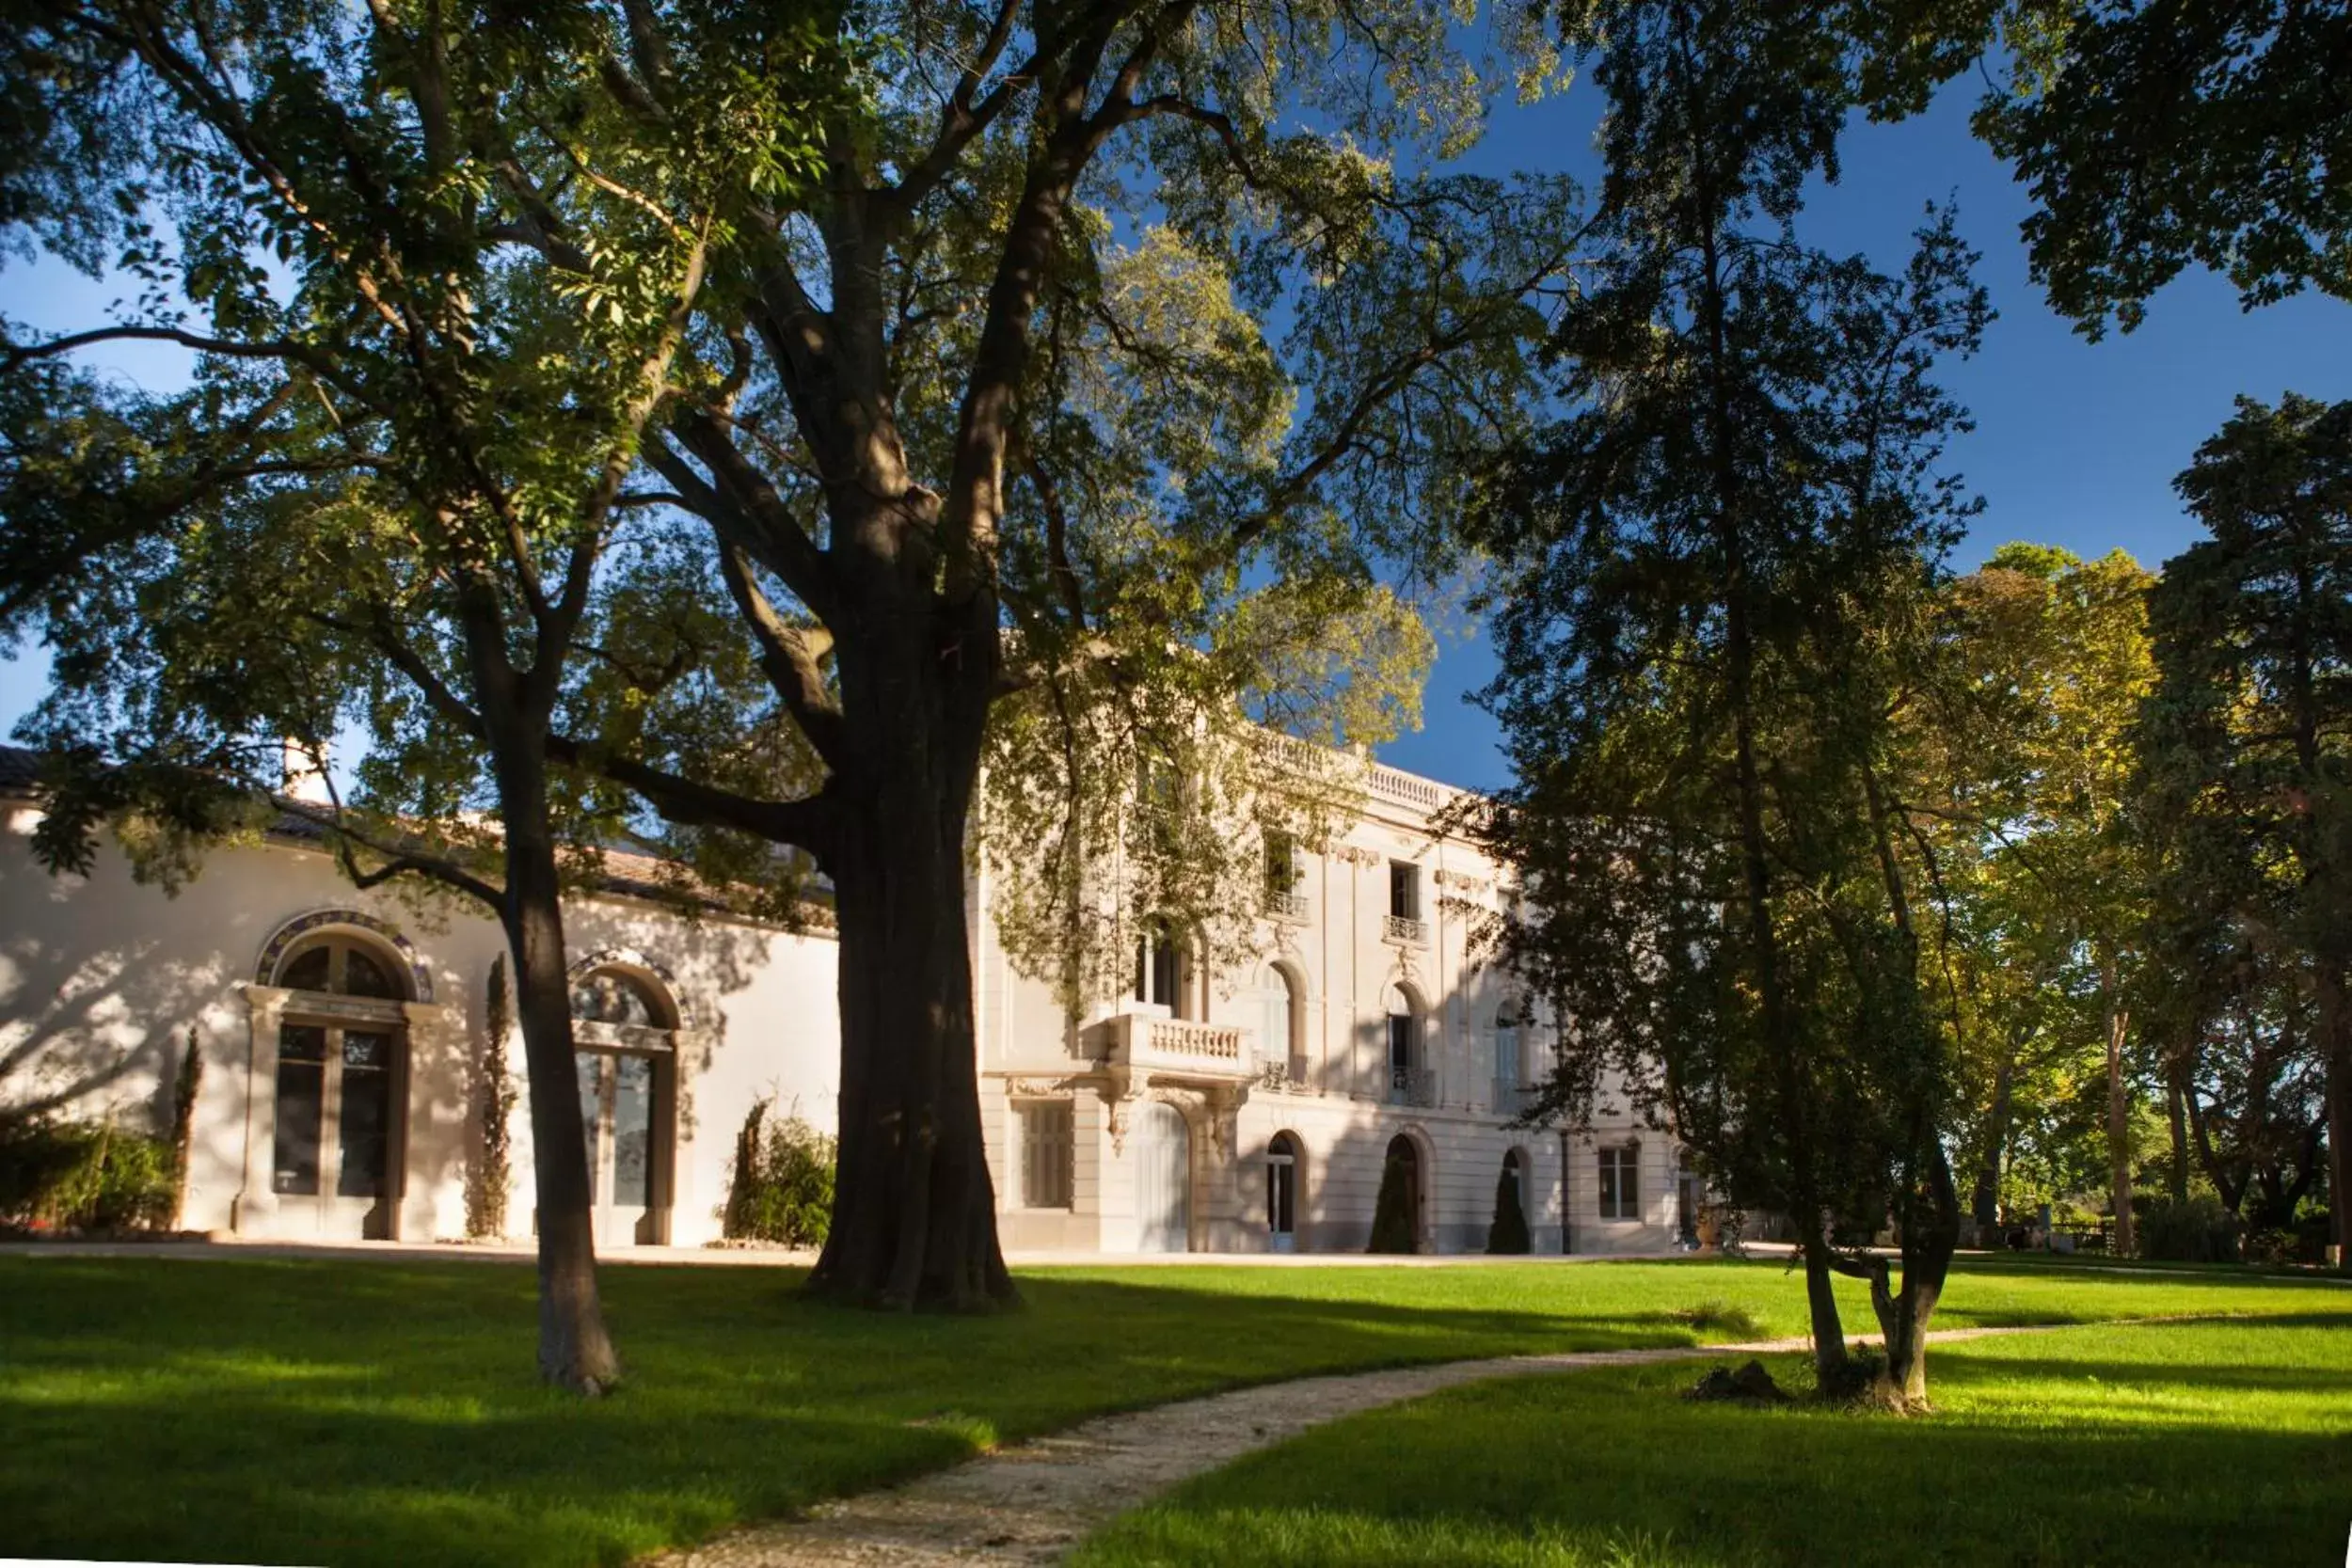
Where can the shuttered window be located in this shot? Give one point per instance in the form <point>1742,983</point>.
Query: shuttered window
<point>1046,1138</point>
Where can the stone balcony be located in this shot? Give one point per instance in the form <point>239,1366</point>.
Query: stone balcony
<point>1406,930</point>
<point>1174,1048</point>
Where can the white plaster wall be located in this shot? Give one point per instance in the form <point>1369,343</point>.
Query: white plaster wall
<point>102,978</point>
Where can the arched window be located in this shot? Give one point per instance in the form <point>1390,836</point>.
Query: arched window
<point>1283,1032</point>
<point>341,1063</point>
<point>1285,1164</point>
<point>337,965</point>
<point>623,1033</point>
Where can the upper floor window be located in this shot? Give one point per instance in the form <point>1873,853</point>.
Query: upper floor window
<point>1620,1183</point>
<point>1510,1067</point>
<point>1403,890</point>
<point>1163,968</point>
<point>1282,877</point>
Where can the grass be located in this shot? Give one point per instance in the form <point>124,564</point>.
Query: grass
<point>2163,1442</point>
<point>340,1412</point>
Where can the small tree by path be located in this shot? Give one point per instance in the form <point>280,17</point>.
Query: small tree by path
<point>1393,1229</point>
<point>1508,1233</point>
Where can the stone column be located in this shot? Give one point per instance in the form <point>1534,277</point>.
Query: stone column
<point>254,1211</point>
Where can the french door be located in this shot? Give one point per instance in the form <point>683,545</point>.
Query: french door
<point>619,1109</point>
<point>332,1163</point>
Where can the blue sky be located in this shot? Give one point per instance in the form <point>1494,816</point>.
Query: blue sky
<point>2075,444</point>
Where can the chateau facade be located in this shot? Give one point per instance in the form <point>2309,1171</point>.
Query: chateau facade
<point>342,1035</point>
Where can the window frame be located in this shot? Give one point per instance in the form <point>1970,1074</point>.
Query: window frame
<point>1048,1152</point>
<point>1618,1192</point>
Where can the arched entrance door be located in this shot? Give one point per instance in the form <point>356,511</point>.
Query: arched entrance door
<point>627,1061</point>
<point>340,1080</point>
<point>1163,1178</point>
<point>1281,1194</point>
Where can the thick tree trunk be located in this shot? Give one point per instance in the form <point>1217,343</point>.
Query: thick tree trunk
<point>2119,1107</point>
<point>1985,1209</point>
<point>1904,1315</point>
<point>1830,1362</point>
<point>575,1350</point>
<point>914,1210</point>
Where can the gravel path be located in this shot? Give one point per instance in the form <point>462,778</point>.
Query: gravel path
<point>1033,1502</point>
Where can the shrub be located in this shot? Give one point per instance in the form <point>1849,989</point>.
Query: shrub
<point>780,1187</point>
<point>2198,1231</point>
<point>185,1089</point>
<point>1721,1318</point>
<point>85,1175</point>
<point>1508,1233</point>
<point>1393,1227</point>
<point>490,1176</point>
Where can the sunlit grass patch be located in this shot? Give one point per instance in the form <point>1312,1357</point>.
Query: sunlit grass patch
<point>350,1413</point>
<point>2191,1442</point>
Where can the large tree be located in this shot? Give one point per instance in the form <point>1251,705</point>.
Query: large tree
<point>434,271</point>
<point>2056,649</point>
<point>1057,434</point>
<point>1059,431</point>
<point>2249,740</point>
<point>1718,567</point>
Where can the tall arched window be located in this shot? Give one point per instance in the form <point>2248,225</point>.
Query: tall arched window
<point>1285,1164</point>
<point>623,1033</point>
<point>342,1065</point>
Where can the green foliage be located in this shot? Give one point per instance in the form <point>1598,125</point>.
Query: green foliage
<point>2157,138</point>
<point>1722,1320</point>
<point>1507,1234</point>
<point>2247,761</point>
<point>1714,594</point>
<point>490,1174</point>
<point>1395,1228</point>
<point>85,1175</point>
<point>186,1085</point>
<point>780,1185</point>
<point>2198,1231</point>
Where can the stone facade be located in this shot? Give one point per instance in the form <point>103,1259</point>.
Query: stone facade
<point>1252,1111</point>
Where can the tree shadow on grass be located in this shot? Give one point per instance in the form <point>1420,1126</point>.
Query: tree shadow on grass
<point>332,1411</point>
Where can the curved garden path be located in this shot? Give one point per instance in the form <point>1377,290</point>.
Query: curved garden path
<point>1032,1502</point>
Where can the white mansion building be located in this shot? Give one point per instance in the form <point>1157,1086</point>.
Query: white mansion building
<point>1248,1110</point>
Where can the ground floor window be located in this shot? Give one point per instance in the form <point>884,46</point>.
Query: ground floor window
<point>334,1112</point>
<point>1048,1135</point>
<point>1281,1188</point>
<point>1620,1188</point>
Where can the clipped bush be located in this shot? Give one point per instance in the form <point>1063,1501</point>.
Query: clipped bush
<point>85,1175</point>
<point>2198,1231</point>
<point>1507,1235</point>
<point>1392,1227</point>
<point>780,1187</point>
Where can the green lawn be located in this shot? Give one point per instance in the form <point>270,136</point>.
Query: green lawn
<point>2172,1443</point>
<point>334,1412</point>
